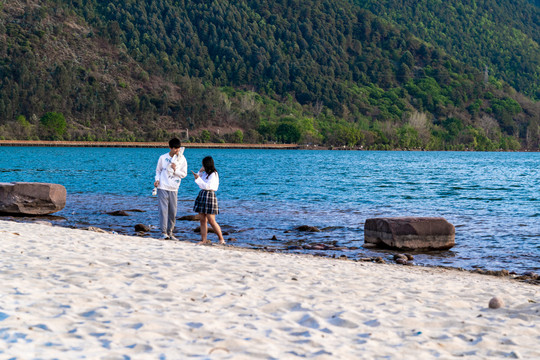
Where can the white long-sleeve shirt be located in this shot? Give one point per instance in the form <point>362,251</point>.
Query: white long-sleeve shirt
<point>206,182</point>
<point>169,179</point>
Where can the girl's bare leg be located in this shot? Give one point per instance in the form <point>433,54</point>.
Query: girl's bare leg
<point>216,227</point>
<point>204,229</point>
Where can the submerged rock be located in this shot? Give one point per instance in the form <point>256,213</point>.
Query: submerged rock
<point>124,212</point>
<point>118,213</point>
<point>189,218</point>
<point>210,230</point>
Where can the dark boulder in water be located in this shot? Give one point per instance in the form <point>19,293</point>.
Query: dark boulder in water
<point>142,228</point>
<point>401,259</point>
<point>27,198</point>
<point>410,233</point>
<point>307,228</point>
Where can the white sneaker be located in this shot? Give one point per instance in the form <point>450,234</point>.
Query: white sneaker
<point>172,237</point>
<point>164,237</point>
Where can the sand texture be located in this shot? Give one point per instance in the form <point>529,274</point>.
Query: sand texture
<point>71,294</point>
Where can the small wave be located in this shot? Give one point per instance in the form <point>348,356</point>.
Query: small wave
<point>447,194</point>
<point>483,199</point>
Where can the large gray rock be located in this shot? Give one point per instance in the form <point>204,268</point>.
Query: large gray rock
<point>26,198</point>
<point>410,233</point>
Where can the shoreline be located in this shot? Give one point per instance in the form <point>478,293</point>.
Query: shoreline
<point>118,144</point>
<point>74,293</point>
<point>529,277</point>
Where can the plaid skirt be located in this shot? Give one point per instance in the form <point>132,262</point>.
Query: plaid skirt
<point>206,203</point>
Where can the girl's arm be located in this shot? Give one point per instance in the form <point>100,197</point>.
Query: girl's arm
<point>208,183</point>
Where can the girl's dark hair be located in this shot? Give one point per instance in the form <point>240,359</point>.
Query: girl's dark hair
<point>208,164</point>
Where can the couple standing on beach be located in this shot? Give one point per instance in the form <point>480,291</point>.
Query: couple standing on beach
<point>171,168</point>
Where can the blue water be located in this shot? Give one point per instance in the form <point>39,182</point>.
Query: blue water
<point>493,199</point>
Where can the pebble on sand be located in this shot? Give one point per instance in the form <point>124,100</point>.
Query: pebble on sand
<point>496,303</point>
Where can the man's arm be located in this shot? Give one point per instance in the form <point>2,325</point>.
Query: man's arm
<point>181,169</point>
<point>159,167</point>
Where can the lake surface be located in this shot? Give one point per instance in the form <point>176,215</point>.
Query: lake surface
<point>493,199</point>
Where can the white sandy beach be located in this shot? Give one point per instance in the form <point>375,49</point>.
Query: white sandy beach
<point>72,294</point>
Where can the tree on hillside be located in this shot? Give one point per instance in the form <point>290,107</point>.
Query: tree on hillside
<point>53,125</point>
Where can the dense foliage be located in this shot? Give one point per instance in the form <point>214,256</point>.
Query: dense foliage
<point>320,72</point>
<point>503,36</point>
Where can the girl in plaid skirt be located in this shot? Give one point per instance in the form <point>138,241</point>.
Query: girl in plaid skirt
<point>206,203</point>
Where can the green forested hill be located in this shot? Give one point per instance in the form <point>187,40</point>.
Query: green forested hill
<point>502,35</point>
<point>324,72</point>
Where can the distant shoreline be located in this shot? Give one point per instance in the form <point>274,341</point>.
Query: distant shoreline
<point>143,144</point>
<point>120,144</point>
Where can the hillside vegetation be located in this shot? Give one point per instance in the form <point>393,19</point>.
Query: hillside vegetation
<point>502,35</point>
<point>320,72</point>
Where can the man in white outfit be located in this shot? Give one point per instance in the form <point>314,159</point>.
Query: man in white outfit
<point>171,168</point>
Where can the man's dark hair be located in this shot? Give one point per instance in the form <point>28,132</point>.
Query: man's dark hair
<point>174,143</point>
